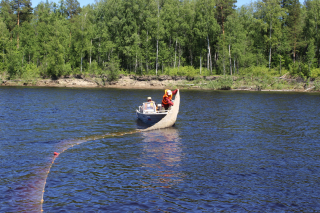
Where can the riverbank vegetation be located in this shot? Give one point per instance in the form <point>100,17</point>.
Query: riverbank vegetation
<point>258,43</point>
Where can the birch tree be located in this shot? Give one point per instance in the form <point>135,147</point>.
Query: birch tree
<point>272,13</point>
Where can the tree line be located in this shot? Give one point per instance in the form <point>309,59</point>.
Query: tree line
<point>158,36</point>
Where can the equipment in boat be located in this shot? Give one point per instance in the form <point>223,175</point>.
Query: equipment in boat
<point>158,118</point>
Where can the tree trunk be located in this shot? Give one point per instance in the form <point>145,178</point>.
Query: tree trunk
<point>215,59</point>
<point>99,53</point>
<point>158,39</point>
<point>294,50</point>
<point>141,65</point>
<point>200,64</point>
<point>147,69</point>
<point>222,21</point>
<point>157,57</point>
<point>223,62</point>
<point>175,55</point>
<point>81,62</point>
<point>208,61</point>
<point>171,64</point>
<point>270,44</point>
<point>230,63</point>
<point>319,58</point>
<point>90,52</point>
<point>280,64</point>
<point>135,67</point>
<point>18,29</point>
<point>238,67</point>
<point>179,55</point>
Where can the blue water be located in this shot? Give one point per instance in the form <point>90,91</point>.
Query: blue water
<point>228,152</point>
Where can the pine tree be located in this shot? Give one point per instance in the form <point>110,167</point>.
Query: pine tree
<point>312,24</point>
<point>23,10</point>
<point>4,38</point>
<point>7,14</point>
<point>224,9</point>
<point>294,24</point>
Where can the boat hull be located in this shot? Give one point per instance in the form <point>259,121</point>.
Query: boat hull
<point>150,119</point>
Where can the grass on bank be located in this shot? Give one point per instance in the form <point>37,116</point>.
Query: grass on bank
<point>260,78</point>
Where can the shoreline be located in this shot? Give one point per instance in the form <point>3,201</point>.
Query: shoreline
<point>133,82</point>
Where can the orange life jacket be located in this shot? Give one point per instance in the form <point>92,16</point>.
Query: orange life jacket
<point>164,100</point>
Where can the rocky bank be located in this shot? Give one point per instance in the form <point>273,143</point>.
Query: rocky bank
<point>148,82</point>
<point>130,82</point>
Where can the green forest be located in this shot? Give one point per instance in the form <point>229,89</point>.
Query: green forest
<point>159,37</point>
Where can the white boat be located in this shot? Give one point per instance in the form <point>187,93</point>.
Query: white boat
<point>150,114</point>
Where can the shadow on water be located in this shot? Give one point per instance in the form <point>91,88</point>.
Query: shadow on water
<point>141,125</point>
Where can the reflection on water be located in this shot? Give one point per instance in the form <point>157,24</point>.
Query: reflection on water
<point>162,152</point>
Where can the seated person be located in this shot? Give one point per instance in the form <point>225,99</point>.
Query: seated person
<point>149,99</point>
<point>149,106</point>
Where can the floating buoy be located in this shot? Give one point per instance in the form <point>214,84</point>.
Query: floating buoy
<point>56,154</point>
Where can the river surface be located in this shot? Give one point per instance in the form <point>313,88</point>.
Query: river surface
<point>228,152</point>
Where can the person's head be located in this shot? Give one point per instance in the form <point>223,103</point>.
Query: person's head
<point>149,99</point>
<point>169,92</point>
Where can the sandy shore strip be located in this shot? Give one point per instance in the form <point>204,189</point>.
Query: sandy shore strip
<point>131,82</point>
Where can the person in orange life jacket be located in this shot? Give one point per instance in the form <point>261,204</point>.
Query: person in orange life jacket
<point>167,98</point>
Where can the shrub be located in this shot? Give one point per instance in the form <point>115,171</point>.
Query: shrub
<point>112,69</point>
<point>255,71</point>
<point>94,68</point>
<point>2,67</point>
<point>315,72</point>
<point>67,70</point>
<point>225,82</point>
<point>30,71</point>
<point>316,85</point>
<point>188,71</point>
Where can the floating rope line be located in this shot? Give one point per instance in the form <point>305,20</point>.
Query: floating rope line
<point>168,121</point>
<point>65,145</point>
